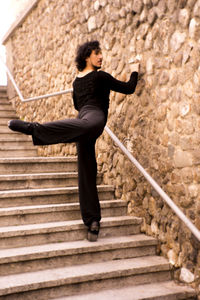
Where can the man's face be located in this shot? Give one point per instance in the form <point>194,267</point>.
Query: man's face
<point>95,59</point>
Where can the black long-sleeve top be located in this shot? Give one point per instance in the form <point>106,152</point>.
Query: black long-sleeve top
<point>94,89</point>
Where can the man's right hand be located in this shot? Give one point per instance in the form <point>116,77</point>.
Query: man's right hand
<point>135,67</point>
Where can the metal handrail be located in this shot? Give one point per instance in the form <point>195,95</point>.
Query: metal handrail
<point>154,184</point>
<point>33,98</point>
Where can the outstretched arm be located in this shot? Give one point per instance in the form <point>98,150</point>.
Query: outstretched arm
<point>118,85</point>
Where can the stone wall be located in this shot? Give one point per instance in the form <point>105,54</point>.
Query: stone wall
<point>160,123</point>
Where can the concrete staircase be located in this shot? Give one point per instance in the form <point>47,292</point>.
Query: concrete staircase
<point>44,253</point>
<point>12,144</point>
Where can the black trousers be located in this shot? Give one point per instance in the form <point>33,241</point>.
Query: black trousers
<point>84,130</point>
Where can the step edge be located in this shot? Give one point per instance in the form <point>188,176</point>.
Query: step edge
<point>9,177</point>
<point>160,265</point>
<point>118,293</point>
<point>46,191</point>
<point>38,159</point>
<point>34,229</point>
<point>50,208</point>
<point>62,249</point>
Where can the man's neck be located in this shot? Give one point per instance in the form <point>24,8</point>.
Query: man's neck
<point>89,69</point>
<point>86,71</point>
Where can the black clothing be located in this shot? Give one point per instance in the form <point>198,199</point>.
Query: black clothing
<point>90,122</point>
<point>94,89</point>
<point>91,99</point>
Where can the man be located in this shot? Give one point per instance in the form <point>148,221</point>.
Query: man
<point>91,89</point>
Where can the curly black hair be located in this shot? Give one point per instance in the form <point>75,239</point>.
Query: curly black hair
<point>83,52</point>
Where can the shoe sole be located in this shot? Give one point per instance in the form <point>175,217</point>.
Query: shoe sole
<point>92,237</point>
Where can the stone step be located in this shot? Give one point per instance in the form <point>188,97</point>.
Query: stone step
<point>3,88</point>
<point>7,114</point>
<point>37,165</point>
<point>48,196</point>
<point>14,134</point>
<point>3,91</point>
<point>57,232</point>
<point>32,181</point>
<point>17,142</point>
<point>166,290</point>
<point>49,283</point>
<point>11,140</point>
<point>7,110</point>
<point>35,181</point>
<point>7,135</point>
<point>4,121</point>
<point>3,94</point>
<point>5,130</point>
<point>23,215</point>
<point>4,102</point>
<point>6,106</point>
<point>15,145</point>
<point>27,151</point>
<point>26,259</point>
<point>16,137</point>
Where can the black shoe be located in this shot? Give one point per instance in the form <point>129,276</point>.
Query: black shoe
<point>93,231</point>
<point>21,126</point>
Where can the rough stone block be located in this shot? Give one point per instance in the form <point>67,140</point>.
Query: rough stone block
<point>161,8</point>
<point>186,276</point>
<point>92,23</point>
<point>151,16</point>
<point>194,28</point>
<point>137,6</point>
<point>184,17</point>
<point>182,159</point>
<point>164,77</point>
<point>177,40</point>
<point>196,9</point>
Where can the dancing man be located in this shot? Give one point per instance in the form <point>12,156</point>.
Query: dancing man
<point>91,90</point>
